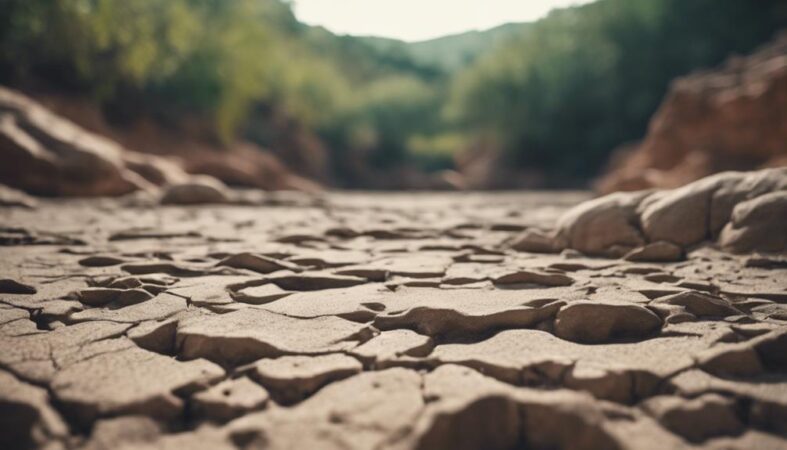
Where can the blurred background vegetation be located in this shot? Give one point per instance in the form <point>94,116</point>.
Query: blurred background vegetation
<point>557,95</point>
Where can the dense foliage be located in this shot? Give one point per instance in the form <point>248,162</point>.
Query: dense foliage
<point>557,95</point>
<point>585,80</point>
<point>206,56</point>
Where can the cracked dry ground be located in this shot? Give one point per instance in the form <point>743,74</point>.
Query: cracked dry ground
<point>375,321</point>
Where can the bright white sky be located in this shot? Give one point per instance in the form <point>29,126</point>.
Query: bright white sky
<point>416,20</point>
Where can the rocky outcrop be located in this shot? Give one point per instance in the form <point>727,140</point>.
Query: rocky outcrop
<point>45,154</point>
<point>743,211</point>
<point>48,155</point>
<point>733,117</point>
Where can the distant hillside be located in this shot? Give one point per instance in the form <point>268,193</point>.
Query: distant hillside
<point>449,53</point>
<point>458,50</point>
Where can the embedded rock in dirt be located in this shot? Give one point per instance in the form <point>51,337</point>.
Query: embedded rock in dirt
<point>533,277</point>
<point>312,281</point>
<point>681,216</point>
<point>536,241</point>
<point>256,263</point>
<point>199,190</point>
<point>163,267</point>
<point>758,225</point>
<point>9,286</point>
<point>293,378</point>
<point>100,261</point>
<point>748,209</point>
<point>597,226</point>
<point>119,297</point>
<point>594,322</point>
<point>659,251</point>
<point>700,304</point>
<point>248,335</point>
<point>748,187</point>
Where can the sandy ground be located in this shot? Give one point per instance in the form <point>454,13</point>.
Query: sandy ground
<point>365,321</point>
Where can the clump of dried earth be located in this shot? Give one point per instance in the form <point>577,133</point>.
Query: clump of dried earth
<point>405,321</point>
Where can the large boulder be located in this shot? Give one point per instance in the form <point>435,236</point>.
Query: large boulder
<point>606,225</point>
<point>681,216</point>
<point>758,224</point>
<point>744,211</point>
<point>728,195</point>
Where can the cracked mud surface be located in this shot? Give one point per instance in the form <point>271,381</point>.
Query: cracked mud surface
<point>362,321</point>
